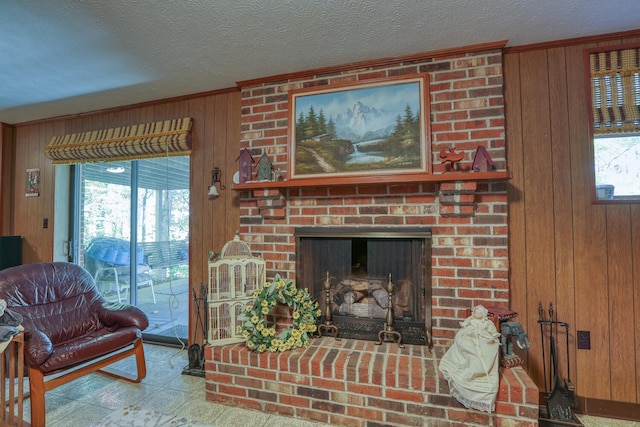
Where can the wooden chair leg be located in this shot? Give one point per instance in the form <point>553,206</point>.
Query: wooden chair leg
<point>36,395</point>
<point>141,367</point>
<point>38,386</point>
<point>141,364</point>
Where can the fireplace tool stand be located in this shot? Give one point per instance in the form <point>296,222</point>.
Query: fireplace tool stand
<point>389,334</point>
<point>195,350</point>
<point>561,398</point>
<point>328,326</point>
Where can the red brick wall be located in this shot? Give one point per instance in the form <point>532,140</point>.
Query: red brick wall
<point>356,383</point>
<point>468,220</point>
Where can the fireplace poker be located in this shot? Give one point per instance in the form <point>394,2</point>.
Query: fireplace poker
<point>544,361</point>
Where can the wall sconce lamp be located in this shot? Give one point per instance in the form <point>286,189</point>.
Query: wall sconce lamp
<point>215,179</point>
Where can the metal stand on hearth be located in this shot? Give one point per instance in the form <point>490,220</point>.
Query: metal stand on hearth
<point>389,334</point>
<point>195,352</point>
<point>328,325</point>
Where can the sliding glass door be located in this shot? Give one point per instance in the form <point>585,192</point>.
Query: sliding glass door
<point>132,231</point>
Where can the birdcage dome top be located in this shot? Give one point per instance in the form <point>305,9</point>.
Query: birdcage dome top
<point>235,248</point>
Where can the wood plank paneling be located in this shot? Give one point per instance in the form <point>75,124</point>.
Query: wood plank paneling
<point>537,190</point>
<point>620,285</point>
<point>232,202</point>
<point>562,210</point>
<point>517,246</point>
<point>4,136</point>
<point>46,204</point>
<point>28,210</point>
<point>634,318</point>
<point>589,244</point>
<point>219,206</point>
<point>7,176</point>
<point>587,266</point>
<point>198,182</point>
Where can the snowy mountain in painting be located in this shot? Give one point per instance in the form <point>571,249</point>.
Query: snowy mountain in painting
<point>362,123</point>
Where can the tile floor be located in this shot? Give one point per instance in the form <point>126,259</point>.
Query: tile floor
<point>165,389</point>
<point>90,399</point>
<point>169,309</point>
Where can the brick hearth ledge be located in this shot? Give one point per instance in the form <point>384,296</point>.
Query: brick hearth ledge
<point>357,383</point>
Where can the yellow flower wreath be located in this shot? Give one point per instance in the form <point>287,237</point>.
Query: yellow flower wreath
<point>260,336</point>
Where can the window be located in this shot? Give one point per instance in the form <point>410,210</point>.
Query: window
<point>617,166</point>
<point>130,209</point>
<point>615,112</point>
<point>145,202</point>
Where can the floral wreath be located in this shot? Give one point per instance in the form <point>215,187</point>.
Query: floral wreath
<point>260,336</point>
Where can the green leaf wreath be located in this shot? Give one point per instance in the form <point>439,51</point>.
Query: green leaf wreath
<point>260,336</point>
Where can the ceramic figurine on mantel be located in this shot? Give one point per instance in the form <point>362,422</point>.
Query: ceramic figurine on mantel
<point>245,165</point>
<point>277,175</point>
<point>264,168</point>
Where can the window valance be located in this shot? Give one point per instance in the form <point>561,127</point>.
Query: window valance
<point>615,90</point>
<point>158,139</point>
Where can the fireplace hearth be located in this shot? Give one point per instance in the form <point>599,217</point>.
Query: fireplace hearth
<point>360,262</point>
<point>356,383</point>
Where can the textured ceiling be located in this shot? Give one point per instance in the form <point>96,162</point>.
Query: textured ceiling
<point>60,57</point>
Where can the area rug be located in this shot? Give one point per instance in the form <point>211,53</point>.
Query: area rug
<point>132,416</point>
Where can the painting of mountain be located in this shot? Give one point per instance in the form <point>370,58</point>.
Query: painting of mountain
<point>357,129</point>
<point>361,121</point>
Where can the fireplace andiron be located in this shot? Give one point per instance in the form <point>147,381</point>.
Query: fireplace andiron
<point>328,325</point>
<point>388,334</point>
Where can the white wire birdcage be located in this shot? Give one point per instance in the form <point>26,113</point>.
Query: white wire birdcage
<point>235,248</point>
<point>232,280</point>
<point>224,322</point>
<point>235,278</point>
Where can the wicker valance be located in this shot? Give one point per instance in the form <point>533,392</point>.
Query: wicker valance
<point>615,91</point>
<point>159,139</point>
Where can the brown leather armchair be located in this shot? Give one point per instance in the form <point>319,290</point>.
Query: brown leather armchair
<point>70,329</point>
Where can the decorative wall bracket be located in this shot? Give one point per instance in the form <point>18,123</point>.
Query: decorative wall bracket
<point>457,199</point>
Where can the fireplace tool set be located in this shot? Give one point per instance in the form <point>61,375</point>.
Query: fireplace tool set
<point>560,397</point>
<point>196,351</point>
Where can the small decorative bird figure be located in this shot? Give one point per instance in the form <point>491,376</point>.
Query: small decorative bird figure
<point>450,156</point>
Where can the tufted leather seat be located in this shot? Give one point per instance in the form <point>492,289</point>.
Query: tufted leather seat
<point>70,329</point>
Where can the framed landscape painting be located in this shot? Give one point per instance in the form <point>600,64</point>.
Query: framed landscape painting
<point>371,128</point>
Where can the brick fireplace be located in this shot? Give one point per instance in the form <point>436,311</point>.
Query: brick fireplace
<point>467,219</point>
<point>355,382</point>
<point>360,263</point>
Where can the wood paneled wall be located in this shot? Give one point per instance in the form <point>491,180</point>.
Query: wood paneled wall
<point>582,257</point>
<point>6,176</point>
<point>215,142</point>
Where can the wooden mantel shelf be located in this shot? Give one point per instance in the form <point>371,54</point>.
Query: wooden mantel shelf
<point>376,180</point>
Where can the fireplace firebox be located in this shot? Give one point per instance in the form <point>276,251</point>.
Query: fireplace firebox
<point>360,263</point>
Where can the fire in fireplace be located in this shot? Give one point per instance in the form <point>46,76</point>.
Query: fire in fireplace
<point>360,263</point>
